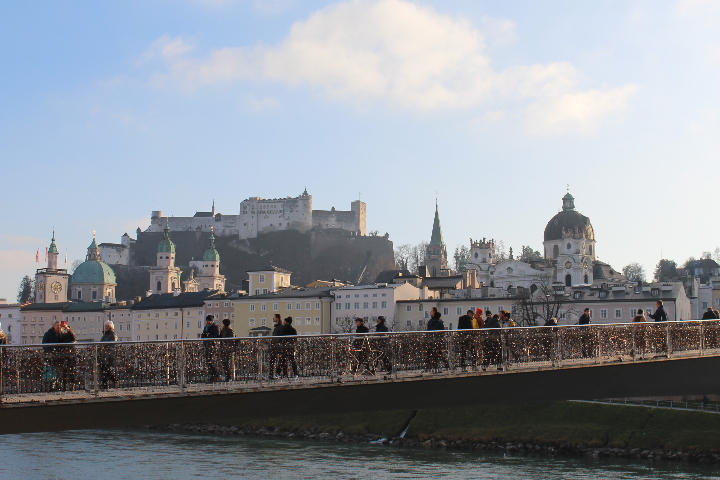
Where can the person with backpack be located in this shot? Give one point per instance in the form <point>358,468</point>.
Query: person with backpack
<point>211,330</point>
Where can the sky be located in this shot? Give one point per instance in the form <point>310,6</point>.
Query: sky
<point>113,109</point>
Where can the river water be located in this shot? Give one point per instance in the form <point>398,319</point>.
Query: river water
<point>141,454</point>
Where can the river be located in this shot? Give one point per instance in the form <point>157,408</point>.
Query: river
<point>142,454</point>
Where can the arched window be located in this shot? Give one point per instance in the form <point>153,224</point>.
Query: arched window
<point>509,287</point>
<point>586,278</point>
<point>159,286</point>
<point>533,288</point>
<point>569,246</point>
<point>590,247</point>
<point>476,254</point>
<point>173,283</point>
<point>556,251</point>
<point>568,280</point>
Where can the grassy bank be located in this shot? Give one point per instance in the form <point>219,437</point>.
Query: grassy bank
<point>553,423</point>
<point>560,422</point>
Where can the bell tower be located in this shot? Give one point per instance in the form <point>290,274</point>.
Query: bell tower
<point>51,282</point>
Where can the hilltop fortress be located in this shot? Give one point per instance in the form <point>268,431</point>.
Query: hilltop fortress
<point>258,215</point>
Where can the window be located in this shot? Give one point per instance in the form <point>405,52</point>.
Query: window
<point>427,314</point>
<point>338,306</point>
<point>317,320</point>
<point>263,322</point>
<point>263,307</point>
<point>347,296</point>
<point>165,337</point>
<point>704,305</point>
<point>265,290</point>
<point>227,304</point>
<point>603,313</point>
<point>458,310</point>
<point>307,306</point>
<point>384,295</point>
<point>176,314</point>
<point>261,278</point>
<point>166,325</point>
<point>633,312</point>
<point>289,305</point>
<point>252,322</point>
<point>317,305</point>
<point>408,308</point>
<point>356,305</point>
<point>374,305</point>
<point>187,324</point>
<point>176,325</point>
<point>357,296</point>
<point>257,291</point>
<point>602,294</point>
<point>420,308</point>
<point>276,307</point>
<point>298,306</point>
<point>347,305</point>
<point>618,313</point>
<point>374,295</point>
<point>365,305</point>
<point>446,311</point>
<point>308,321</point>
<point>157,314</point>
<point>175,336</point>
<point>157,337</point>
<point>383,304</point>
<point>409,323</point>
<point>252,307</point>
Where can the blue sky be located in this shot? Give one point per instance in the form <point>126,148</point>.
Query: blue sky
<point>113,109</point>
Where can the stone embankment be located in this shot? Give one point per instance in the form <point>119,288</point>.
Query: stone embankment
<point>516,448</point>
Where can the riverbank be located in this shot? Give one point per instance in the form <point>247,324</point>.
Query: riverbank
<point>557,428</point>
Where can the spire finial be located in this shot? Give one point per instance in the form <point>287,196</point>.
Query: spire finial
<point>93,234</point>
<point>568,188</point>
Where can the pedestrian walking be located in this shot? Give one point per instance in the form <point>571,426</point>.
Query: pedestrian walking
<point>586,336</point>
<point>106,356</point>
<point>660,314</point>
<point>435,344</point>
<point>59,369</point>
<point>383,343</point>
<point>464,337</point>
<point>276,347</point>
<point>360,348</point>
<point>211,330</point>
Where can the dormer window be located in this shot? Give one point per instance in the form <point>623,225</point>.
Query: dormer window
<point>569,246</point>
<point>603,294</point>
<point>577,294</point>
<point>655,292</point>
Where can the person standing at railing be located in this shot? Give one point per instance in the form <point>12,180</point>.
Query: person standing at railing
<point>709,315</point>
<point>106,355</point>
<point>478,323</point>
<point>660,314</point>
<point>586,340</point>
<point>640,332</point>
<point>360,349</point>
<point>660,337</point>
<point>382,342</point>
<point>227,349</point>
<point>59,369</point>
<point>288,348</point>
<point>275,352</point>
<point>3,337</point>
<point>435,344</point>
<point>211,330</point>
<point>492,348</point>
<point>464,339</point>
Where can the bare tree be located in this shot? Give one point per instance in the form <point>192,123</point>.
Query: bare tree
<point>500,251</point>
<point>74,265</point>
<point>634,272</point>
<point>547,302</point>
<point>527,254</point>
<point>344,324</point>
<point>403,256</point>
<point>393,324</point>
<point>460,252</point>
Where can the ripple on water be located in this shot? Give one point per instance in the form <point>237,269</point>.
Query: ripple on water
<point>142,454</point>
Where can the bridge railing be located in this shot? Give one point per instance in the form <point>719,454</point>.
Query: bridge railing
<point>75,371</point>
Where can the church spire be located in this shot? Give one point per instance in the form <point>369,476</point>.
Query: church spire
<point>213,208</point>
<point>436,237</point>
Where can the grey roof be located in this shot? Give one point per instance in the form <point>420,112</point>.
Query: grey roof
<point>442,282</point>
<point>86,307</point>
<point>293,293</point>
<point>630,293</point>
<point>603,271</point>
<point>270,268</point>
<point>44,306</point>
<point>387,276</point>
<point>169,300</point>
<point>203,214</point>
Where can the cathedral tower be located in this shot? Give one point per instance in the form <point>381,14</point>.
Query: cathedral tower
<point>51,282</point>
<point>436,255</point>
<point>165,277</point>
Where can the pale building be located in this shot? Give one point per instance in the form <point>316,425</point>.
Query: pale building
<point>165,277</point>
<point>10,321</point>
<point>268,280</point>
<point>37,318</point>
<point>209,277</point>
<point>86,319</point>
<point>170,316</point>
<point>309,308</point>
<point>413,315</point>
<point>51,283</point>
<point>369,302</point>
<point>93,280</point>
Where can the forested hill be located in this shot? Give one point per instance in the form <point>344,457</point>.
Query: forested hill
<point>314,255</point>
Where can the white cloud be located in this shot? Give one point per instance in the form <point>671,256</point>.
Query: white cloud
<point>578,112</point>
<point>168,48</point>
<point>261,104</point>
<point>399,53</point>
<point>22,240</point>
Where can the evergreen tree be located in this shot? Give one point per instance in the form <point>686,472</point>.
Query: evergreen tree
<point>26,290</point>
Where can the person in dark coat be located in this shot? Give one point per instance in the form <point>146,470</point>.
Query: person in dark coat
<point>211,330</point>
<point>709,315</point>
<point>586,337</point>
<point>60,361</point>
<point>106,356</point>
<point>360,326</point>
<point>227,349</point>
<point>660,314</point>
<point>585,318</point>
<point>360,349</point>
<point>435,342</point>
<point>382,343</point>
<point>464,339</point>
<point>288,351</point>
<point>276,347</point>
<point>492,347</point>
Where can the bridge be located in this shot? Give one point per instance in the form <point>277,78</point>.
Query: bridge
<point>108,385</point>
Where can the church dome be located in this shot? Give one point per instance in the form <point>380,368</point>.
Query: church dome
<point>166,245</point>
<point>94,271</point>
<point>211,254</point>
<point>569,220</point>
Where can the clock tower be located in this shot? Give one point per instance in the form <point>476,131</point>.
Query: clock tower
<point>51,282</point>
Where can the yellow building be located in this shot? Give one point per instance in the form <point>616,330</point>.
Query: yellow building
<point>169,316</point>
<point>268,280</point>
<point>309,308</point>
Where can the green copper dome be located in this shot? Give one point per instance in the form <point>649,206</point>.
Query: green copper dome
<point>53,247</point>
<point>166,245</point>
<point>211,255</point>
<point>94,271</point>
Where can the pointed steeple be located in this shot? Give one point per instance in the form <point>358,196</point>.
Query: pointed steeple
<point>213,208</point>
<point>166,245</point>
<point>436,237</point>
<point>53,247</point>
<point>93,251</point>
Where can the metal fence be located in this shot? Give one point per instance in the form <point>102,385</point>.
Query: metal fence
<point>32,373</point>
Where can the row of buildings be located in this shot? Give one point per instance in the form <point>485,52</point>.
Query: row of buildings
<point>174,309</point>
